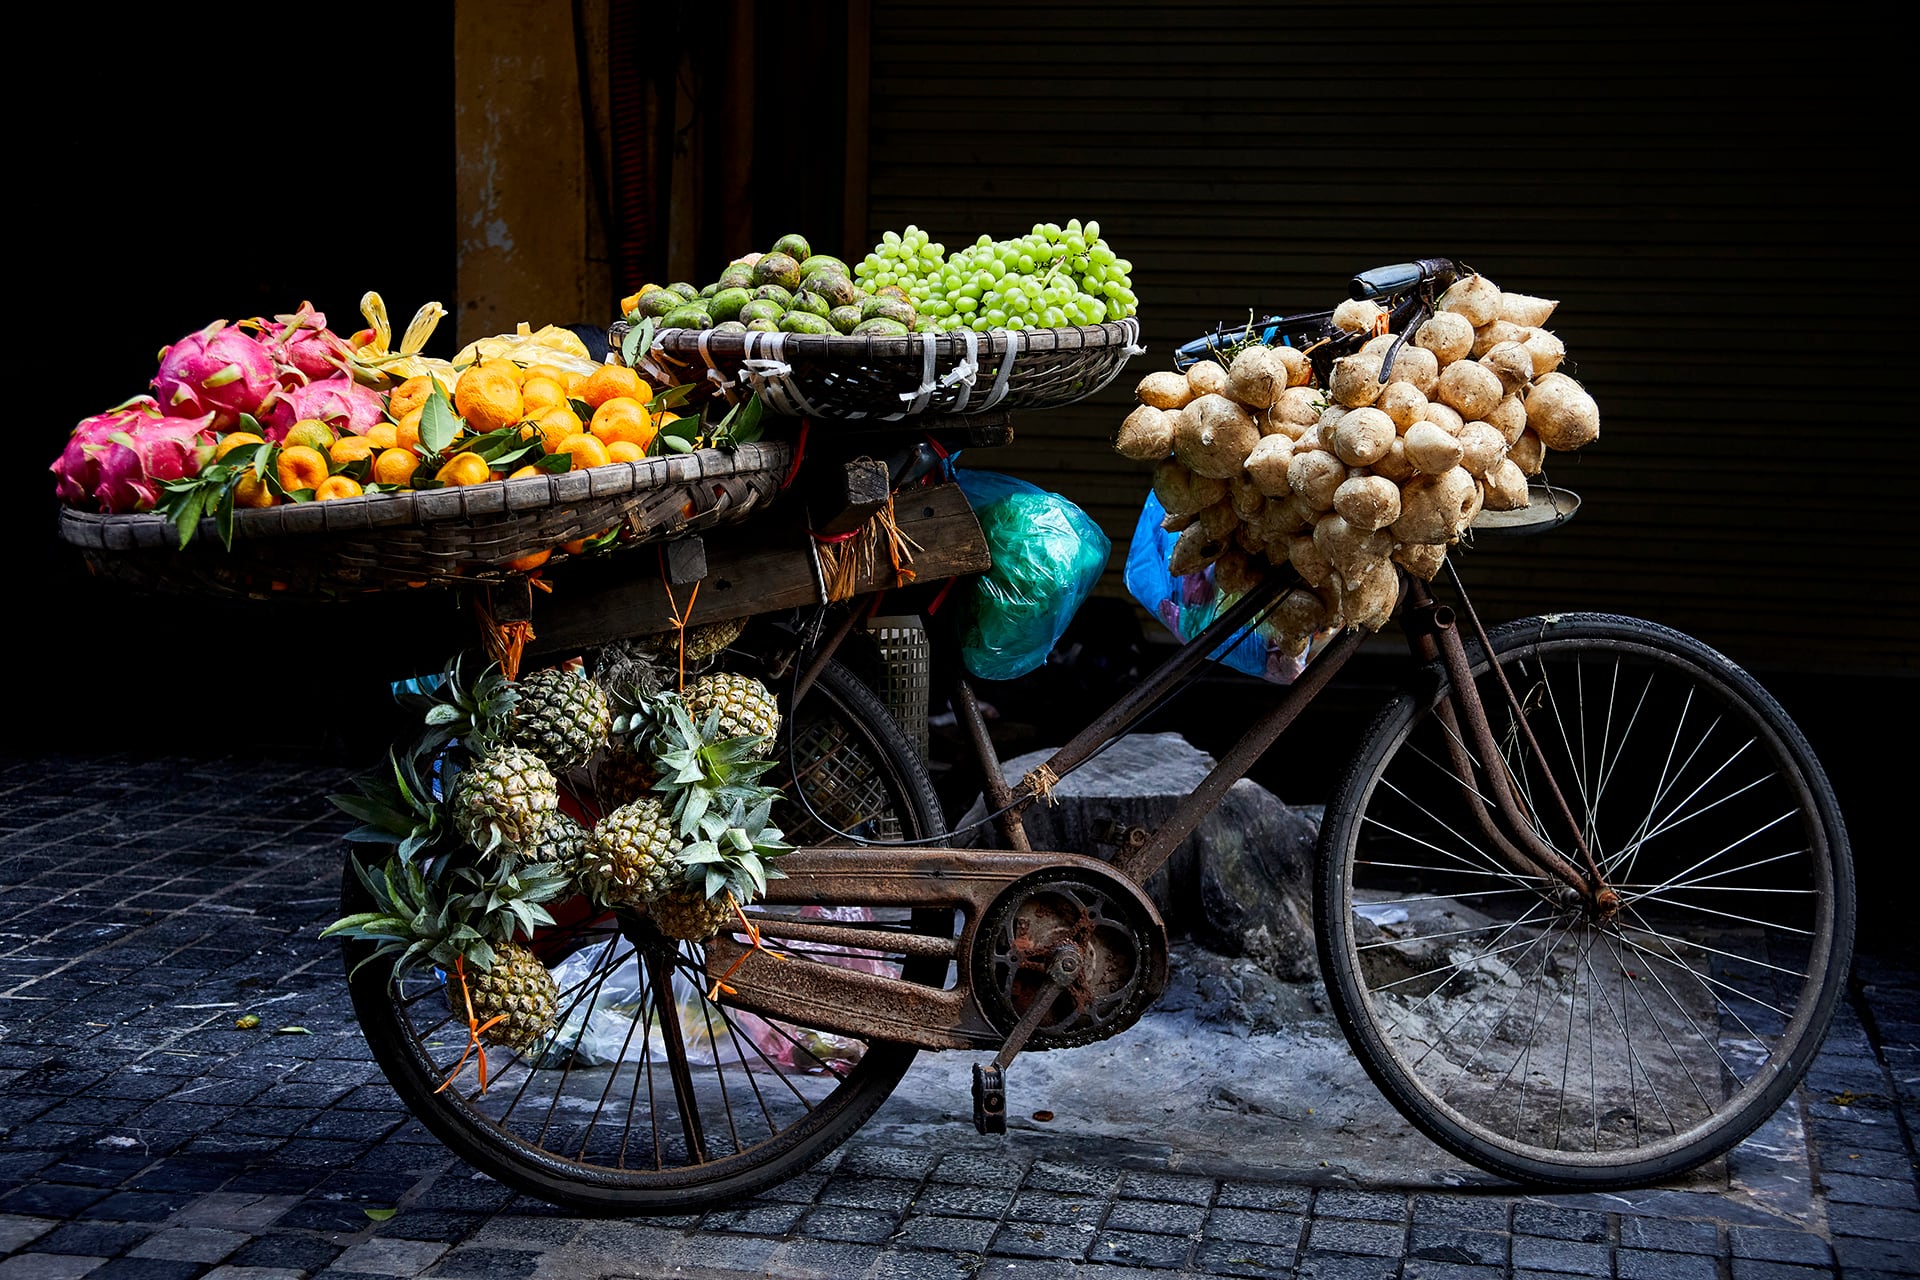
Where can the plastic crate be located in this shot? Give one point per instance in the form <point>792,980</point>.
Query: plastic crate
<point>906,672</point>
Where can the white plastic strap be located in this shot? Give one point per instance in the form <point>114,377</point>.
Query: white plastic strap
<point>1133,347</point>
<point>929,348</point>
<point>965,372</point>
<point>1006,369</point>
<point>714,372</point>
<point>772,376</point>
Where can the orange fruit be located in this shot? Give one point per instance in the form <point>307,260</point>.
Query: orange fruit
<point>311,432</point>
<point>488,396</point>
<point>383,435</point>
<point>349,449</point>
<point>252,491</point>
<point>337,487</point>
<point>623,418</point>
<point>464,468</point>
<point>540,393</point>
<point>395,466</point>
<point>410,395</point>
<point>523,472</point>
<point>552,371</point>
<point>610,380</point>
<point>233,440</point>
<point>301,467</point>
<point>531,560</point>
<point>556,425</point>
<point>586,450</point>
<point>406,432</point>
<point>625,451</point>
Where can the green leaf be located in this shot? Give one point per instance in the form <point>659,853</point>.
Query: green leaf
<point>438,422</point>
<point>638,339</point>
<point>223,513</point>
<point>673,397</point>
<point>292,1031</point>
<point>678,444</point>
<point>581,409</point>
<point>556,463</point>
<point>747,428</point>
<point>381,1215</point>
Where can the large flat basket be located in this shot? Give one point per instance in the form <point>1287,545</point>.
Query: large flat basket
<point>845,377</point>
<point>439,537</point>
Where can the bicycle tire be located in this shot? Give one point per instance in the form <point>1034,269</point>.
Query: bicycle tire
<point>1697,1009</point>
<point>842,724</point>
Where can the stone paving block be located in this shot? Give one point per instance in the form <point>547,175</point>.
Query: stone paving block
<point>280,1251</point>
<point>964,1201</point>
<point>230,1272</point>
<point>1874,1164</point>
<point>1372,1206</point>
<point>1086,1180</point>
<point>1648,1264</point>
<point>482,1262</point>
<point>837,1222</point>
<point>1431,1242</point>
<point>755,1219</point>
<point>48,1266</point>
<point>147,1269</point>
<point>1475,1212</point>
<point>388,1257</point>
<point>1155,1218</point>
<point>1040,1269</point>
<point>912,1163</point>
<point>1848,1188</point>
<point>101,1239</point>
<point>1857,1254</point>
<point>1173,1188</point>
<point>917,1265</point>
<point>1669,1235</point>
<point>1343,1266</point>
<point>1255,1227</point>
<point>821,1260</point>
<point>1033,1239</point>
<point>189,1244</point>
<point>1574,1257</point>
<point>423,1224</point>
<point>1273,1197</point>
<point>979,1169</point>
<point>1874,1222</point>
<point>1559,1223</point>
<point>1752,1269</point>
<point>17,1231</point>
<point>1424,1269</point>
<point>50,1199</point>
<point>891,1195</point>
<point>947,1234</point>
<point>1336,1235</point>
<point>1140,1249</point>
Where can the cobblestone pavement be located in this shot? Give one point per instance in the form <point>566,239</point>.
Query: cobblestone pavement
<point>145,903</point>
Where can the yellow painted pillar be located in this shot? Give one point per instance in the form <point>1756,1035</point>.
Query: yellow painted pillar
<point>531,244</point>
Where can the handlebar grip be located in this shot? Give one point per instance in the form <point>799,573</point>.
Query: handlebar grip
<point>1402,276</point>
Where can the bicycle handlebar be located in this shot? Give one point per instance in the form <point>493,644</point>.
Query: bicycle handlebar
<point>1403,276</point>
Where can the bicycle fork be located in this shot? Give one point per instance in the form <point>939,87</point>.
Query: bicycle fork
<point>1515,836</point>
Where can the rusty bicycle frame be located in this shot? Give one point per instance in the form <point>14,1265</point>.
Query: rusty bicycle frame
<point>848,1001</point>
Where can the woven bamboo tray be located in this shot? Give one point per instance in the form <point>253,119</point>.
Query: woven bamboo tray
<point>842,377</point>
<point>437,537</point>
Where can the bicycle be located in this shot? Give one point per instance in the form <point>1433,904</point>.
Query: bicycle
<point>1583,901</point>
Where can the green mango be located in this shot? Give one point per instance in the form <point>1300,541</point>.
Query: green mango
<point>794,246</point>
<point>685,290</point>
<point>805,322</point>
<point>761,309</point>
<point>708,290</point>
<point>657,302</point>
<point>827,262</point>
<point>730,326</point>
<point>726,303</point>
<point>777,294</point>
<point>782,269</point>
<point>806,300</point>
<point>844,318</point>
<point>737,276</point>
<point>831,285</point>
<point>688,317</point>
<point>880,327</point>
<point>763,326</point>
<point>884,307</point>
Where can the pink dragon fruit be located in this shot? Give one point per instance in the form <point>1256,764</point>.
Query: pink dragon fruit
<point>303,348</point>
<point>220,370</point>
<point>120,458</point>
<point>340,402</point>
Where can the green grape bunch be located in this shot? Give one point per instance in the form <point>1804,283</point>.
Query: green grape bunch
<point>1050,278</point>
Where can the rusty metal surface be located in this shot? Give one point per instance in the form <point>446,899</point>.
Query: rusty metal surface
<point>993,783</point>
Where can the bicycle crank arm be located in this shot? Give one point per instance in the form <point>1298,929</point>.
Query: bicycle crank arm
<point>1017,907</point>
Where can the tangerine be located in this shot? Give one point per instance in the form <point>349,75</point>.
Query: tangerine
<point>233,440</point>
<point>625,451</point>
<point>488,396</point>
<point>523,472</point>
<point>349,449</point>
<point>464,468</point>
<point>252,491</point>
<point>552,371</point>
<point>585,450</point>
<point>410,395</point>
<point>623,418</point>
<point>406,432</point>
<point>337,487</point>
<point>540,393</point>
<point>311,432</point>
<point>383,435</point>
<point>556,425</point>
<point>301,467</point>
<point>395,466</point>
<point>531,560</point>
<point>610,380</point>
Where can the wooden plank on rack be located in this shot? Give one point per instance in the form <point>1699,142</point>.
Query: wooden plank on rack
<point>752,568</point>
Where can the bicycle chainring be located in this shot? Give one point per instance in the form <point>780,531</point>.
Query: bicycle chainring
<point>1113,925</point>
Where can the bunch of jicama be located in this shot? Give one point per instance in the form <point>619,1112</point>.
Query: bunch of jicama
<point>1260,466</point>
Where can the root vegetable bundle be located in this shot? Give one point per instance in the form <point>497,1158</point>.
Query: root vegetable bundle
<point>1387,464</point>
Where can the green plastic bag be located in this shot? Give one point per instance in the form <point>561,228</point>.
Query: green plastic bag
<point>1047,555</point>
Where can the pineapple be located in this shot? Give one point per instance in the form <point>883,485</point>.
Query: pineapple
<point>727,864</point>
<point>630,854</point>
<point>467,926</point>
<point>624,772</point>
<point>503,798</point>
<point>561,716</point>
<point>477,711</point>
<point>709,638</point>
<point>744,706</point>
<point>562,843</point>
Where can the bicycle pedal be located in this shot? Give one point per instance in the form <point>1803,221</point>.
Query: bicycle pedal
<point>989,1098</point>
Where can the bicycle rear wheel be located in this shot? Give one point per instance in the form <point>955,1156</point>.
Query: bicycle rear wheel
<point>670,1102</point>
<point>1516,1028</point>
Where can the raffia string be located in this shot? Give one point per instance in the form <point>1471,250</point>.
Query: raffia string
<point>1041,781</point>
<point>504,641</point>
<point>846,559</point>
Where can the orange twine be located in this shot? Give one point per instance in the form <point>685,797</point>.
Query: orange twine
<point>720,986</point>
<point>679,620</point>
<point>475,1028</point>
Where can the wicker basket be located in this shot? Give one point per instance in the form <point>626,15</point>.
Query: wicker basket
<point>833,376</point>
<point>438,537</point>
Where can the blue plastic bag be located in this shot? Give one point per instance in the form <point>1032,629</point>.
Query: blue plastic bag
<point>1047,556</point>
<point>1187,604</point>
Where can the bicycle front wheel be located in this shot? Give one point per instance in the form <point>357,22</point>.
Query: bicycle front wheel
<point>654,1096</point>
<point>1518,1029</point>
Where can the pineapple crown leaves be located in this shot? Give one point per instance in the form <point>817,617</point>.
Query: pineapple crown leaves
<point>733,851</point>
<point>700,771</point>
<point>421,922</point>
<point>477,709</point>
<point>398,807</point>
